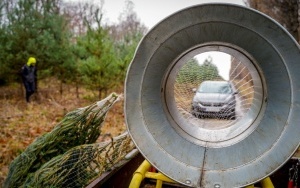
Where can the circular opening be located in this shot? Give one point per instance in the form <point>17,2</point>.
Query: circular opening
<point>214,94</point>
<point>213,90</point>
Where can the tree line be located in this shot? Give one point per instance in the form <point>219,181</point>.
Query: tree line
<point>72,43</point>
<point>69,40</point>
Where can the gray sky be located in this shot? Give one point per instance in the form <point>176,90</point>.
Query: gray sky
<point>150,12</point>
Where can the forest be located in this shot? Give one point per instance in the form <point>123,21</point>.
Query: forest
<point>80,59</point>
<point>72,43</point>
<point>69,40</point>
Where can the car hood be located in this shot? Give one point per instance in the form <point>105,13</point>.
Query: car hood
<point>211,97</point>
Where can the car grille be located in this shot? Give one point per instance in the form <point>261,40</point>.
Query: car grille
<point>212,104</point>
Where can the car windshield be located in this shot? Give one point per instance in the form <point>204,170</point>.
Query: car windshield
<point>215,87</point>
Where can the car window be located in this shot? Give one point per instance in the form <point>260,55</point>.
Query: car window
<point>216,87</point>
<point>225,89</point>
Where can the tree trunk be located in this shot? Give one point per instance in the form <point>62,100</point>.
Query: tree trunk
<point>77,90</point>
<point>286,12</point>
<point>61,88</point>
<point>100,93</point>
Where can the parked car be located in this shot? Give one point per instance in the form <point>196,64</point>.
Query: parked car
<point>215,99</point>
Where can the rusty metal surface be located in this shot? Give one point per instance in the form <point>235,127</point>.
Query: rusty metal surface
<point>275,131</point>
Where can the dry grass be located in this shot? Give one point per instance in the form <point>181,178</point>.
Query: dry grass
<point>21,123</point>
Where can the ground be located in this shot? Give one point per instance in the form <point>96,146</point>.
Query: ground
<point>23,122</point>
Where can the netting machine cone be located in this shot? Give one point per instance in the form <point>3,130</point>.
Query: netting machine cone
<point>212,96</point>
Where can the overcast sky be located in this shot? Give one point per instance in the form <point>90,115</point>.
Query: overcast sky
<point>150,12</point>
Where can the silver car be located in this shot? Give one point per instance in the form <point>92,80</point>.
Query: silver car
<point>214,99</point>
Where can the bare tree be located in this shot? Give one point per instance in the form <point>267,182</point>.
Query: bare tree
<point>81,15</point>
<point>286,12</point>
<point>129,23</point>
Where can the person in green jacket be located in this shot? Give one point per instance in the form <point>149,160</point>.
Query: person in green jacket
<point>29,77</point>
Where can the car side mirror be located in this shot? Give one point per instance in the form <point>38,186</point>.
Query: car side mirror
<point>194,90</point>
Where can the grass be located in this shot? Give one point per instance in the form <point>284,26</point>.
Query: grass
<point>23,122</point>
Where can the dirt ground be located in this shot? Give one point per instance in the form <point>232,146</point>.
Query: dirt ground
<point>23,122</point>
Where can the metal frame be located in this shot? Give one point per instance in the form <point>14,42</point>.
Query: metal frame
<point>275,135</point>
<point>143,172</point>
